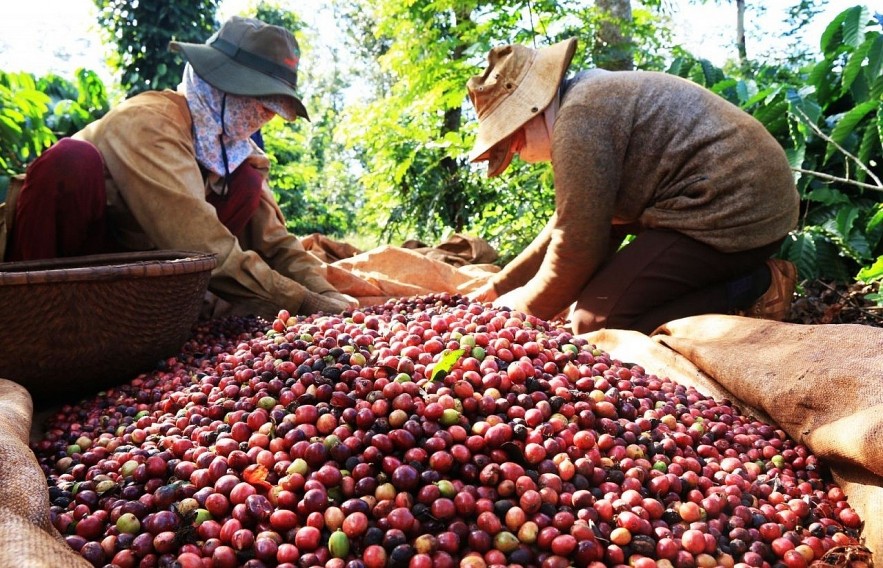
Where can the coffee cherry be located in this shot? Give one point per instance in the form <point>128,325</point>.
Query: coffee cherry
<point>426,431</point>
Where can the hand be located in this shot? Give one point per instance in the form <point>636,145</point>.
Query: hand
<point>511,299</point>
<point>330,302</point>
<point>351,302</point>
<point>484,293</point>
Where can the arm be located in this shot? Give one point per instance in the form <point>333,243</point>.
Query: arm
<point>267,234</point>
<point>524,266</point>
<point>160,181</point>
<point>587,153</point>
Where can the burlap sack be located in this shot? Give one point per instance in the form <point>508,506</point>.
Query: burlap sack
<point>27,536</point>
<point>822,384</point>
<point>458,250</point>
<point>326,249</point>
<point>388,272</point>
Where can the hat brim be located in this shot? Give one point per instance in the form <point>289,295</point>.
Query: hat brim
<point>532,95</point>
<point>231,77</point>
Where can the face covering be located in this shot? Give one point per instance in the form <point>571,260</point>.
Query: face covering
<point>222,124</point>
<point>537,145</point>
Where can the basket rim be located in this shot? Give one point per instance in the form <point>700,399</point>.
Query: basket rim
<point>112,266</point>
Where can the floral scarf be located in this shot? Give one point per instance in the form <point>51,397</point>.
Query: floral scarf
<point>222,123</point>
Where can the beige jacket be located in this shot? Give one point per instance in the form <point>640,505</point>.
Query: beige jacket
<point>157,199</point>
<point>658,151</point>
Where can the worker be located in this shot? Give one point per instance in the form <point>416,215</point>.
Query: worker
<point>179,170</point>
<point>704,190</point>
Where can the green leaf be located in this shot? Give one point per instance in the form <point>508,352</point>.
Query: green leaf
<point>880,123</point>
<point>742,91</point>
<point>830,260</point>
<point>722,86</point>
<point>821,77</point>
<point>800,248</point>
<point>679,67</point>
<point>846,125</point>
<point>876,219</point>
<point>870,274</point>
<point>875,298</point>
<point>796,155</point>
<point>774,116</point>
<point>854,26</point>
<point>869,146</point>
<point>446,363</point>
<point>846,219</point>
<point>827,195</point>
<point>875,58</point>
<point>854,65</point>
<point>710,73</point>
<point>830,39</point>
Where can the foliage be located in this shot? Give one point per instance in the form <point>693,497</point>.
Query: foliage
<point>829,118</point>
<point>836,127</point>
<point>23,130</point>
<point>34,113</point>
<point>141,31</point>
<point>73,105</point>
<point>413,132</point>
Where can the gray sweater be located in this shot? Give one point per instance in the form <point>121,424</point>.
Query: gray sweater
<point>658,151</point>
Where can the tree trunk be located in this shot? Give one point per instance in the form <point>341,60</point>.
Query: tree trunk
<point>454,190</point>
<point>740,34</point>
<point>613,40</point>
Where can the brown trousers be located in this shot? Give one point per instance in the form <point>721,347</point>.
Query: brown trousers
<point>663,275</point>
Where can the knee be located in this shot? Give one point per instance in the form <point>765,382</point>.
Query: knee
<point>76,155</point>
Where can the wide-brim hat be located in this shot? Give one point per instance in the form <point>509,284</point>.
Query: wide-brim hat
<point>250,58</point>
<point>517,85</point>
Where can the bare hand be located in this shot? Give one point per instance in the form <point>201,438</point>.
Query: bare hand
<point>484,293</point>
<point>511,299</point>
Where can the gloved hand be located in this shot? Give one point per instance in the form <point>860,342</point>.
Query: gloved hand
<point>351,302</point>
<point>331,302</point>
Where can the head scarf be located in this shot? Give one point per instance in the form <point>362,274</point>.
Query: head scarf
<point>223,123</point>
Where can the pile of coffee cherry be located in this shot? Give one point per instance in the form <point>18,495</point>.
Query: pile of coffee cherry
<point>426,432</point>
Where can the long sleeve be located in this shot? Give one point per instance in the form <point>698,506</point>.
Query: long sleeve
<point>525,266</point>
<point>156,192</point>
<point>587,176</point>
<point>267,234</point>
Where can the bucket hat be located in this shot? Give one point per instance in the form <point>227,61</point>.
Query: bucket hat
<point>250,58</point>
<point>518,84</point>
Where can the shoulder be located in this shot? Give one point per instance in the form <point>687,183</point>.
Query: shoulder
<point>168,103</point>
<point>154,112</point>
<point>634,83</point>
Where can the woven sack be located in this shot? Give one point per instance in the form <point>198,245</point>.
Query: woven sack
<point>27,536</point>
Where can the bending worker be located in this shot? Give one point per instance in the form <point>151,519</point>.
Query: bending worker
<point>703,186</point>
<point>178,170</point>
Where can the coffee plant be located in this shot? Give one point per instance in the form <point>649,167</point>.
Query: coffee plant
<point>35,112</point>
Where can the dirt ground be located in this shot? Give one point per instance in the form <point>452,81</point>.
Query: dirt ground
<point>818,302</point>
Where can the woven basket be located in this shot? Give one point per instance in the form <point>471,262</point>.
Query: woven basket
<point>70,327</point>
